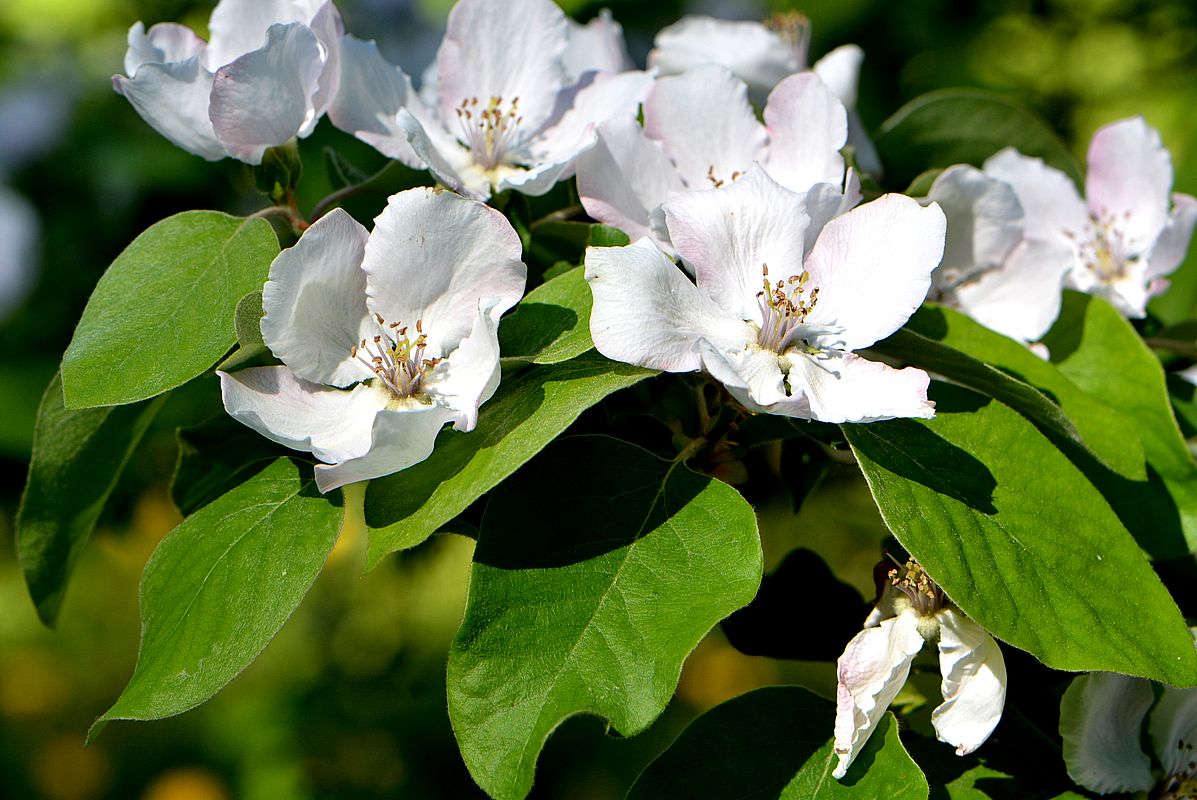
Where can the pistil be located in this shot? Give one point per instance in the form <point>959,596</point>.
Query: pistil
<point>491,132</point>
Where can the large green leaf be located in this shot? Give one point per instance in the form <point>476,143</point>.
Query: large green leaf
<point>776,744</point>
<point>526,413</point>
<point>599,567</point>
<point>213,458</point>
<point>77,458</point>
<point>221,585</point>
<point>552,323</point>
<point>965,126</point>
<point>1099,351</point>
<point>1021,540</point>
<point>163,312</point>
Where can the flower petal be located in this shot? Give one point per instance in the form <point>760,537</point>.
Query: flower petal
<point>264,98</point>
<point>596,46</point>
<point>1174,729</point>
<point>433,255</point>
<point>984,221</point>
<point>504,50</point>
<point>826,201</point>
<point>807,128</point>
<point>843,387</point>
<point>705,123</point>
<point>753,376</point>
<point>729,235</point>
<point>173,98</point>
<point>470,374</point>
<point>1129,181</point>
<point>165,43</point>
<point>605,96</point>
<point>1173,243</point>
<point>332,424</point>
<point>974,683</point>
<point>624,177</point>
<point>873,267</point>
<point>369,96</point>
<point>444,156</point>
<point>315,302</point>
<point>237,27</point>
<point>1051,206</point>
<point>401,438</point>
<point>1101,718</point>
<point>755,54</point>
<point>1020,298</point>
<point>840,70</point>
<point>870,674</point>
<point>646,311</point>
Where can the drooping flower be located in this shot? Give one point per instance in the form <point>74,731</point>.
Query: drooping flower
<point>1127,234</point>
<point>505,116</point>
<point>763,55</point>
<point>700,132</point>
<point>912,611</point>
<point>774,320</point>
<point>992,269</point>
<point>1101,723</point>
<point>267,75</point>
<point>385,337</point>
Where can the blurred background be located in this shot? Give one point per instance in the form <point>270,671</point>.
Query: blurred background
<point>348,702</point>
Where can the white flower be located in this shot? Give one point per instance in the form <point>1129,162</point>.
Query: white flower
<point>1101,721</point>
<point>776,323</point>
<point>385,337</point>
<point>597,46</point>
<point>700,132</point>
<point>266,76</point>
<point>505,115</point>
<point>762,55</point>
<point>876,663</point>
<point>992,269</point>
<point>1124,236</point>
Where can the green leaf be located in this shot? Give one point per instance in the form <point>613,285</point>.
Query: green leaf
<point>552,323</point>
<point>1021,540</point>
<point>77,458</point>
<point>213,458</point>
<point>947,342</point>
<point>965,126</point>
<point>247,321</point>
<point>776,744</point>
<point>163,312</point>
<point>1099,351</point>
<point>606,236</point>
<point>341,172</point>
<point>921,185</point>
<point>220,586</point>
<point>599,567</point>
<point>527,412</point>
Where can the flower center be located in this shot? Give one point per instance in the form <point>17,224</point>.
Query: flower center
<point>1104,249</point>
<point>784,305</point>
<point>1181,785</point>
<point>490,132</point>
<point>924,594</point>
<point>719,183</point>
<point>793,28</point>
<point>395,358</point>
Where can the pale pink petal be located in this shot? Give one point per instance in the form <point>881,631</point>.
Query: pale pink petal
<point>1021,297</point>
<point>602,97</point>
<point>872,267</point>
<point>870,674</point>
<point>755,54</point>
<point>974,683</point>
<point>984,221</point>
<point>1129,181</point>
<point>647,312</point>
<point>1051,206</point>
<point>840,70</point>
<point>596,46</point>
<point>1101,718</point>
<point>400,438</point>
<point>164,43</point>
<point>367,103</point>
<point>1173,243</point>
<point>754,377</point>
<point>444,156</point>
<point>315,302</point>
<point>173,98</point>
<point>433,256</point>
<point>239,26</point>
<point>826,201</point>
<point>1173,729</point>
<point>807,128</point>
<point>468,377</point>
<point>706,125</point>
<point>843,387</point>
<point>729,236</point>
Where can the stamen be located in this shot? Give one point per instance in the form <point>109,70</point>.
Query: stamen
<point>1104,248</point>
<point>491,133</point>
<point>925,595</point>
<point>394,359</point>
<point>784,310</point>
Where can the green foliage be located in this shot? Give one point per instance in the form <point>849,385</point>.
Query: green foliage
<point>526,413</point>
<point>163,312</point>
<point>77,458</point>
<point>599,567</point>
<point>775,744</point>
<point>965,126</point>
<point>213,458</point>
<point>221,585</point>
<point>552,323</point>
<point>1020,540</point>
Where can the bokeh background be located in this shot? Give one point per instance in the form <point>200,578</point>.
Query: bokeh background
<point>348,702</point>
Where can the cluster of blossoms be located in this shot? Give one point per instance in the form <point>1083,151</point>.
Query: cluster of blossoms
<point>753,257</point>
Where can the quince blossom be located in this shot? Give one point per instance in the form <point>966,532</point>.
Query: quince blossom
<point>1101,720</point>
<point>913,610</point>
<point>384,337</point>
<point>762,55</point>
<point>266,76</point>
<point>774,321</point>
<point>505,115</point>
<point>1127,234</point>
<point>700,132</point>
<point>992,269</point>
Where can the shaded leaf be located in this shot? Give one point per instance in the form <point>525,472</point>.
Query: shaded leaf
<point>552,323</point>
<point>213,458</point>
